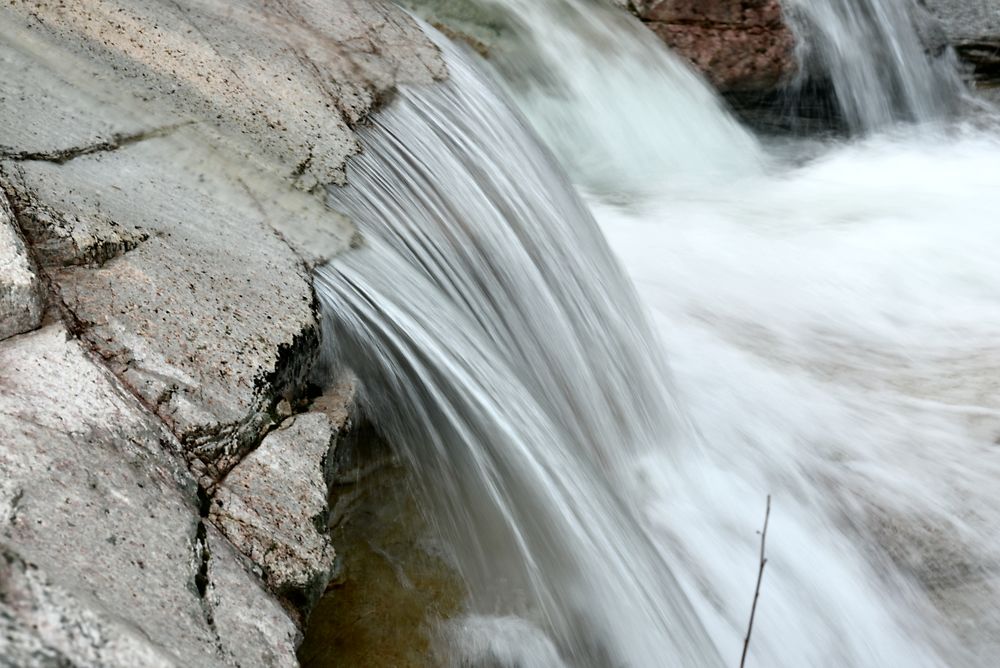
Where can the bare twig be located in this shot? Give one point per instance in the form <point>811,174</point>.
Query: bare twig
<point>760,576</point>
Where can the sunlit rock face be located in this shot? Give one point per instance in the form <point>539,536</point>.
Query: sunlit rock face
<point>740,45</point>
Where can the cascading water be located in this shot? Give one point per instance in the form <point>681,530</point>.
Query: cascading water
<point>573,69</point>
<point>877,64</point>
<point>507,357</point>
<point>831,327</point>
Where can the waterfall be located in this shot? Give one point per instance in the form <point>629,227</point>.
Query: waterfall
<point>878,66</point>
<point>831,328</point>
<point>506,356</point>
<point>587,69</point>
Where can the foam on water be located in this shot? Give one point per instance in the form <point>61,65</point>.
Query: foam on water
<point>832,331</point>
<point>620,111</point>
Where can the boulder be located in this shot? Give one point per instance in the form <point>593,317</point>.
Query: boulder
<point>210,319</point>
<point>741,46</point>
<point>254,629</point>
<point>164,161</point>
<point>162,173</point>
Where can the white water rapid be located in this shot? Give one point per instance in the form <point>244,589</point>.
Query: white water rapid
<point>599,379</point>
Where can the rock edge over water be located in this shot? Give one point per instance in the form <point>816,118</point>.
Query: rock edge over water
<point>161,209</point>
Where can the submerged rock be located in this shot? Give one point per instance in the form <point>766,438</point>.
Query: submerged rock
<point>394,586</point>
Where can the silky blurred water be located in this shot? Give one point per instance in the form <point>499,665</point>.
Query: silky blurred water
<point>832,331</point>
<point>884,61</point>
<point>815,319</point>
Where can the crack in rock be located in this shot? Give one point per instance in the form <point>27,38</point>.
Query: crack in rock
<point>117,141</point>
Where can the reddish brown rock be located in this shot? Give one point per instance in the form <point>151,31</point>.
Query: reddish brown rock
<point>740,45</point>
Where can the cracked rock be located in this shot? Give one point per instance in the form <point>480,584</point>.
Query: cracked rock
<point>60,235</point>
<point>99,527</point>
<point>282,82</point>
<point>20,290</point>
<point>163,161</point>
<point>208,331</point>
<point>274,507</point>
<point>254,630</point>
<point>92,498</point>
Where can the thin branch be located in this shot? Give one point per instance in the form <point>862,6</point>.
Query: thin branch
<point>760,576</point>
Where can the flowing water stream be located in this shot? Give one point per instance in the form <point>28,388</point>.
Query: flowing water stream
<point>881,69</point>
<point>598,379</point>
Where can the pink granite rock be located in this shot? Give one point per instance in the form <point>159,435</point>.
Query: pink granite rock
<point>740,45</point>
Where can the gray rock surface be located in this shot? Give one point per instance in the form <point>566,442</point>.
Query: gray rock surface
<point>43,624</point>
<point>92,497</point>
<point>159,158</point>
<point>274,506</point>
<point>966,19</point>
<point>20,289</point>
<point>210,320</point>
<point>281,81</point>
<point>163,160</point>
<point>254,630</point>
<point>972,27</point>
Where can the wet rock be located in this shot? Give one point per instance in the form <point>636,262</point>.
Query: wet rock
<point>954,563</point>
<point>982,55</point>
<point>273,506</point>
<point>971,609</point>
<point>740,45</point>
<point>963,19</point>
<point>20,290</point>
